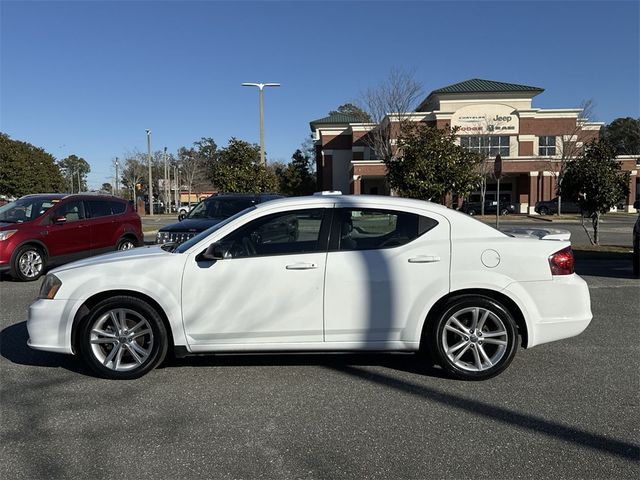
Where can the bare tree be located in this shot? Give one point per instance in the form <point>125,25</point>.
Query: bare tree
<point>134,171</point>
<point>191,167</point>
<point>385,104</point>
<point>570,147</point>
<point>485,172</point>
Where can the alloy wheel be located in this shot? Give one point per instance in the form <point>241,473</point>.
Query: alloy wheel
<point>126,245</point>
<point>121,339</point>
<point>30,264</point>
<point>475,339</point>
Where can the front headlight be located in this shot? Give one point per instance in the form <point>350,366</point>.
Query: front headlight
<point>50,286</point>
<point>6,235</point>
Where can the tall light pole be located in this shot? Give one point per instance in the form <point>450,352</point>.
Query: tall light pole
<point>116,189</point>
<point>165,193</point>
<point>150,189</point>
<point>261,89</point>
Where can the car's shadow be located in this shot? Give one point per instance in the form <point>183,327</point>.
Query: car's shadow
<point>405,362</point>
<point>5,277</point>
<point>13,347</point>
<point>604,264</point>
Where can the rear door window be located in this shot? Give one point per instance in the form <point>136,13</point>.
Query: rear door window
<point>98,208</point>
<point>366,229</point>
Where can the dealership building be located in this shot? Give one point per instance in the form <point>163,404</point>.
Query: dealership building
<point>491,117</point>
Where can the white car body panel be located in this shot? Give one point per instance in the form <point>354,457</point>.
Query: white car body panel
<point>229,308</point>
<point>268,302</point>
<point>382,295</point>
<point>148,270</point>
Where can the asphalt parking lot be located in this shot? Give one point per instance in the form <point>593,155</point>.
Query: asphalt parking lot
<point>568,409</point>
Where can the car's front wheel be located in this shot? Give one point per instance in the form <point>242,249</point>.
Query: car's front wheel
<point>543,211</point>
<point>123,338</point>
<point>28,263</point>
<point>474,338</point>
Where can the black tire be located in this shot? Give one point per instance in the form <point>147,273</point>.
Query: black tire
<point>29,263</point>
<point>479,355</point>
<point>181,216</point>
<point>471,212</point>
<point>132,338</point>
<point>126,243</point>
<point>543,211</point>
<point>504,211</point>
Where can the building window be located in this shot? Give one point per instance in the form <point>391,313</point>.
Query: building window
<point>487,146</point>
<point>547,146</point>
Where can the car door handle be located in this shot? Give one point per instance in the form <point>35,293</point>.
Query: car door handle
<point>302,266</point>
<point>424,259</point>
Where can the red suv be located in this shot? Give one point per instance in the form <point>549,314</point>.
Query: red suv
<point>43,230</point>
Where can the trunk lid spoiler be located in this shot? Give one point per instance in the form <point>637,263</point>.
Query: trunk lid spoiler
<point>540,233</point>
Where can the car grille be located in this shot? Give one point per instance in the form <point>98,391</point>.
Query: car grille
<point>175,237</point>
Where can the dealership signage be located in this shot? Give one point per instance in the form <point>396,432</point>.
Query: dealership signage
<point>486,120</point>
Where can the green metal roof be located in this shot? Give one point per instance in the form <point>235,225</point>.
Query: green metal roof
<point>336,118</point>
<point>477,85</point>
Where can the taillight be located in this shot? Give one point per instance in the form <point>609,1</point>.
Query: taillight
<point>562,262</point>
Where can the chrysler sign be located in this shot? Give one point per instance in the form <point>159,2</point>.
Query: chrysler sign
<point>485,120</point>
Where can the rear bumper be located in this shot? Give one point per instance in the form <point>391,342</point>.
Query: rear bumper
<point>554,309</point>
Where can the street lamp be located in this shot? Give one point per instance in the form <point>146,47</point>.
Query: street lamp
<point>261,88</point>
<point>150,189</point>
<point>116,189</point>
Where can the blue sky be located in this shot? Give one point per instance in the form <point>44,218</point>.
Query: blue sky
<point>88,77</point>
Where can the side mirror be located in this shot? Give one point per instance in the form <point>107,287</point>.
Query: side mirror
<point>211,254</point>
<point>59,220</point>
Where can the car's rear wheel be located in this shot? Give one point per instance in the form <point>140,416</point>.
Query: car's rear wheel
<point>471,212</point>
<point>123,338</point>
<point>504,211</point>
<point>126,243</point>
<point>474,338</point>
<point>28,263</point>
<point>543,211</point>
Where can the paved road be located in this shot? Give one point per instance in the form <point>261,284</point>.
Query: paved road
<point>563,410</point>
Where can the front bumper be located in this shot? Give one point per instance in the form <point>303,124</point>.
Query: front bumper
<point>554,309</point>
<point>49,326</point>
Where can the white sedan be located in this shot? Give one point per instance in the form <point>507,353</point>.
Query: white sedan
<point>321,273</point>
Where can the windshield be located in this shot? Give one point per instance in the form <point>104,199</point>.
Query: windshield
<point>220,207</point>
<point>183,247</point>
<point>26,209</point>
